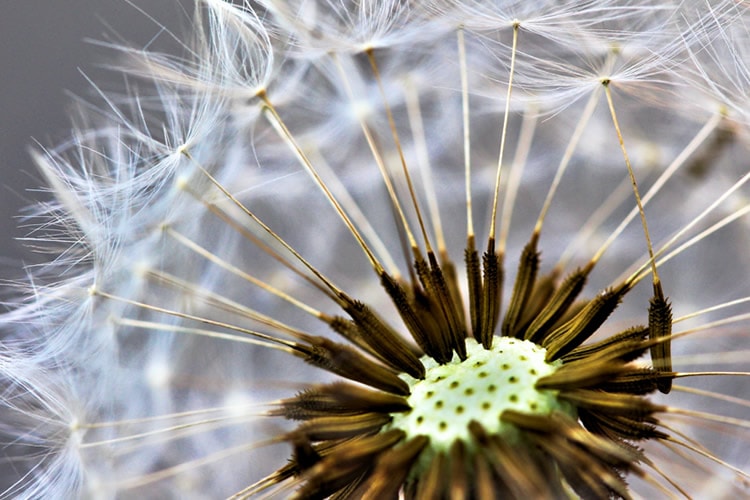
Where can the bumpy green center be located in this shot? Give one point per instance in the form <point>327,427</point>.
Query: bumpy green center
<point>479,388</point>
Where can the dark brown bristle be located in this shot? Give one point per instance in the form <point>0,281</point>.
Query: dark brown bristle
<point>486,485</point>
<point>451,280</point>
<point>350,460</point>
<point>441,329</point>
<point>347,362</point>
<point>638,381</point>
<point>384,339</point>
<point>341,427</point>
<point>633,334</point>
<point>474,282</point>
<point>528,267</point>
<point>458,482</point>
<point>570,335</point>
<point>391,469</point>
<point>408,311</point>
<point>612,403</point>
<point>520,475</point>
<point>351,489</point>
<point>492,286</point>
<point>582,375</point>
<point>557,306</point>
<point>660,328</point>
<point>433,483</point>
<point>543,290</point>
<point>339,398</point>
<point>620,427</point>
<point>350,331</point>
<point>589,463</point>
<point>304,455</point>
<point>444,297</point>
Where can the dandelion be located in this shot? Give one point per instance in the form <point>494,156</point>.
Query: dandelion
<point>304,258</point>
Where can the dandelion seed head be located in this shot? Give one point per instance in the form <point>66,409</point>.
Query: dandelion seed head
<point>279,256</point>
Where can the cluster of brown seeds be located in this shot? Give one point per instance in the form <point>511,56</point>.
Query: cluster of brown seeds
<point>347,445</point>
<point>352,442</point>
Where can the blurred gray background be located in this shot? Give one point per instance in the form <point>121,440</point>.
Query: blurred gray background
<point>43,50</point>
